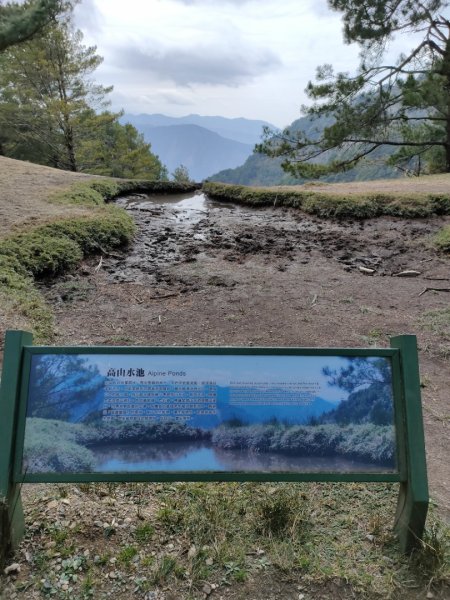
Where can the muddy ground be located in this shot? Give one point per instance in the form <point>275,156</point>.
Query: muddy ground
<point>203,273</point>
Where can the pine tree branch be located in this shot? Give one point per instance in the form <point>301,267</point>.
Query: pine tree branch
<point>392,143</point>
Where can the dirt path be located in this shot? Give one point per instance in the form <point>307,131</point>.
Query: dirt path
<point>201,273</point>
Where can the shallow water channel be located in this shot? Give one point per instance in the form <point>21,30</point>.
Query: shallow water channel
<point>201,456</point>
<point>172,229</point>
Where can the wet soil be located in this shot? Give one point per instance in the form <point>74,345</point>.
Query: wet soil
<point>204,273</point>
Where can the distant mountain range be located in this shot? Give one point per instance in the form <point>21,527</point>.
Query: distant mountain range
<point>205,145</point>
<point>261,170</point>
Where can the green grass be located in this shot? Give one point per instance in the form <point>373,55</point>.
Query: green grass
<point>126,555</point>
<point>442,239</point>
<point>314,534</point>
<point>438,321</point>
<point>306,532</point>
<point>327,205</point>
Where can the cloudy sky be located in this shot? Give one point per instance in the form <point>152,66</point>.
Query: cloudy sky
<point>235,58</point>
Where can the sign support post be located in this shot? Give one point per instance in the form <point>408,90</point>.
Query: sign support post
<point>11,512</point>
<point>413,497</point>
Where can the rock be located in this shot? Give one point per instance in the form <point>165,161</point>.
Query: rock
<point>209,562</point>
<point>53,504</point>
<point>14,568</point>
<point>192,552</point>
<point>207,589</point>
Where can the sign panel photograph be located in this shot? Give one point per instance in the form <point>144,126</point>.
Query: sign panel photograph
<point>208,413</point>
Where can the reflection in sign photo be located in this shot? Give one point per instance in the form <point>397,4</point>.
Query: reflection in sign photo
<point>209,413</point>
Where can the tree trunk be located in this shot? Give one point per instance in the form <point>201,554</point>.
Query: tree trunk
<point>446,72</point>
<point>70,146</point>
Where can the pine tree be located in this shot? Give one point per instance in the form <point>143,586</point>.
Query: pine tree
<point>45,92</point>
<point>403,107</point>
<point>53,113</point>
<point>20,22</point>
<point>181,175</point>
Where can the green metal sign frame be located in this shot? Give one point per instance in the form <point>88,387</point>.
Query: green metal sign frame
<point>411,466</point>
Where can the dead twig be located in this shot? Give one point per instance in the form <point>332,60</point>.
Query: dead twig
<point>99,266</point>
<point>165,296</point>
<point>314,300</point>
<point>437,278</point>
<point>106,253</point>
<point>138,300</point>
<point>433,289</point>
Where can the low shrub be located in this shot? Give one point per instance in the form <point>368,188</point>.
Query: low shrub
<point>84,194</point>
<point>42,254</point>
<point>53,446</point>
<point>109,230</point>
<point>18,295</point>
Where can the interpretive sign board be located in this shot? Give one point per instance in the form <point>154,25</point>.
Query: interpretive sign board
<point>76,414</point>
<point>207,413</point>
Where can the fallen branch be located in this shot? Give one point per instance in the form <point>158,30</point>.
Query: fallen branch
<point>433,289</point>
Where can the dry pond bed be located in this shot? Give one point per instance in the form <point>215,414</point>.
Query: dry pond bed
<point>204,273</point>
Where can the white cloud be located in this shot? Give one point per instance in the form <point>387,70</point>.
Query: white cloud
<point>250,58</point>
<point>207,65</point>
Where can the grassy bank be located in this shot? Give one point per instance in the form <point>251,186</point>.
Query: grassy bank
<point>365,442</point>
<point>336,205</point>
<point>58,245</point>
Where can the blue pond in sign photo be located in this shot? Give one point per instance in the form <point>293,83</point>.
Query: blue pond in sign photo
<point>209,413</point>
